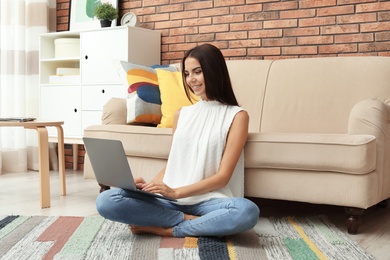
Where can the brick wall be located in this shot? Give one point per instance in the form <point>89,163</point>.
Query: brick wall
<point>262,29</point>
<point>68,149</point>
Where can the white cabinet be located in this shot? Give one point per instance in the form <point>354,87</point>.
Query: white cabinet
<point>78,100</point>
<point>62,103</point>
<point>96,57</point>
<point>95,95</point>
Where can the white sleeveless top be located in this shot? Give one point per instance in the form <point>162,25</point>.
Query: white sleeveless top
<point>197,148</point>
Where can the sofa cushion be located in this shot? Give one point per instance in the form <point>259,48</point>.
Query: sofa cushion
<point>350,154</point>
<point>143,102</point>
<point>114,111</point>
<point>316,95</point>
<point>138,141</point>
<point>173,96</point>
<point>249,80</point>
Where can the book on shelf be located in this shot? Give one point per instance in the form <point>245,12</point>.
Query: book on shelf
<point>17,119</point>
<point>67,71</point>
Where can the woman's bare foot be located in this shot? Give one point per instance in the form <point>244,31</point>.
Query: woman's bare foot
<point>165,232</point>
<point>160,231</point>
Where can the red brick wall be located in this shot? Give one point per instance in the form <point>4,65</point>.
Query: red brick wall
<point>263,29</point>
<point>68,149</point>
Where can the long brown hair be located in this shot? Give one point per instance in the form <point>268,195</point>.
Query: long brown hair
<point>215,73</point>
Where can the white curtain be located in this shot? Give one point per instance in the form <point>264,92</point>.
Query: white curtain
<point>21,23</point>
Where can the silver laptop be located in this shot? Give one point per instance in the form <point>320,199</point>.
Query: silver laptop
<point>110,165</point>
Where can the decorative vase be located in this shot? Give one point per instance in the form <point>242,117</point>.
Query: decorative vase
<point>105,23</point>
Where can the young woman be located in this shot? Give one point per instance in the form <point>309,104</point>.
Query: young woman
<point>205,166</point>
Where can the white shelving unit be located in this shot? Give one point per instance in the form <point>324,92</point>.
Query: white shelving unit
<point>79,102</point>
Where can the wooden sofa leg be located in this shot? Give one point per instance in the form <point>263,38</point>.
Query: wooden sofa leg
<point>103,187</point>
<point>353,220</point>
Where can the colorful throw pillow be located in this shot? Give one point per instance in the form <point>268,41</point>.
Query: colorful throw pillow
<point>143,100</point>
<point>173,96</point>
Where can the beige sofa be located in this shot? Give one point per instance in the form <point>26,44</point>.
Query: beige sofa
<point>319,131</point>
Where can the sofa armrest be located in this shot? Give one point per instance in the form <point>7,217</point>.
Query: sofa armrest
<point>369,117</point>
<point>114,112</point>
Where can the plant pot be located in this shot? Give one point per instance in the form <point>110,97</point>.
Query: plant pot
<point>105,23</point>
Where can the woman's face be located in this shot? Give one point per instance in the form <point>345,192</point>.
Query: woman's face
<point>194,77</point>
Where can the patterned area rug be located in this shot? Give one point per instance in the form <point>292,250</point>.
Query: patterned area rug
<point>41,237</point>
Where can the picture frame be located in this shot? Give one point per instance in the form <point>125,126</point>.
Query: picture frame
<point>81,14</point>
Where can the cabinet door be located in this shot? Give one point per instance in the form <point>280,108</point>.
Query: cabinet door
<point>95,96</point>
<point>98,50</point>
<point>91,118</point>
<point>62,103</point>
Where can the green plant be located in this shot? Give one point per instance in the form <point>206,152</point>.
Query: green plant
<point>106,11</point>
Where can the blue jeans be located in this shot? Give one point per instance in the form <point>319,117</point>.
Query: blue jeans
<point>217,217</point>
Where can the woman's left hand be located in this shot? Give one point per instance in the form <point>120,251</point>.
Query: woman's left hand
<point>160,188</point>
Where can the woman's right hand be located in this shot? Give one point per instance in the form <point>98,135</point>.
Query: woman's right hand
<point>139,182</point>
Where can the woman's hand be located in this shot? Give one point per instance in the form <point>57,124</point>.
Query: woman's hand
<point>139,182</point>
<point>160,188</point>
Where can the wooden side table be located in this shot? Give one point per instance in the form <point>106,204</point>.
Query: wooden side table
<point>43,148</point>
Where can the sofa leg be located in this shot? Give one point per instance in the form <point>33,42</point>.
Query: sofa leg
<point>103,187</point>
<point>353,220</point>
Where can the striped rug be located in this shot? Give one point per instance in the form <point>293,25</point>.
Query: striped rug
<point>42,237</point>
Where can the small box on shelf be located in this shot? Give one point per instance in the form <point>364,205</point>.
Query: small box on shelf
<point>67,47</point>
<point>67,71</point>
<point>64,79</point>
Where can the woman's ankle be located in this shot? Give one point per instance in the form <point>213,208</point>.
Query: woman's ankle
<point>190,217</point>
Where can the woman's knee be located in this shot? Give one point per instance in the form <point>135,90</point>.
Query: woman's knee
<point>105,202</point>
<point>249,213</point>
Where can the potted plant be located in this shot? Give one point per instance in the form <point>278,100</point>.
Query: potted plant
<point>106,12</point>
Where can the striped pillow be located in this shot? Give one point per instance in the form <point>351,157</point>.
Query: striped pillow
<point>143,99</point>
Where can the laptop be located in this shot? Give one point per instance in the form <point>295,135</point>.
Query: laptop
<point>111,168</point>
